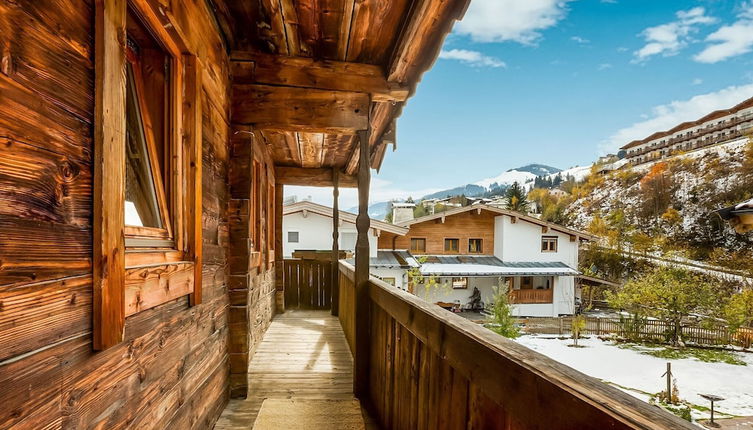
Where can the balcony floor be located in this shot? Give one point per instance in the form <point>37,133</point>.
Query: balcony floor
<point>303,356</point>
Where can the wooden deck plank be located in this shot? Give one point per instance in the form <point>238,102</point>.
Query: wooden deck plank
<point>303,356</point>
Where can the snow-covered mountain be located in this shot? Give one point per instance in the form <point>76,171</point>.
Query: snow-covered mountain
<point>521,175</point>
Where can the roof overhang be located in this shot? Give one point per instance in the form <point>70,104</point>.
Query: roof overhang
<point>574,234</point>
<point>311,207</point>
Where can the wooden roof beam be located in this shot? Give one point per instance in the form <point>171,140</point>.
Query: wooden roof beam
<point>303,72</point>
<point>320,177</point>
<point>300,109</point>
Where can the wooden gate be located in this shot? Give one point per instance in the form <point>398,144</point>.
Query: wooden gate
<point>308,284</point>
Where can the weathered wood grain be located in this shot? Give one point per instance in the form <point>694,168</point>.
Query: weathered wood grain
<point>39,314</point>
<point>311,177</point>
<point>153,285</point>
<point>303,72</point>
<point>299,109</point>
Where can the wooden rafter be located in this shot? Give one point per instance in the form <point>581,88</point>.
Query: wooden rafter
<point>300,109</point>
<point>303,72</point>
<point>319,177</point>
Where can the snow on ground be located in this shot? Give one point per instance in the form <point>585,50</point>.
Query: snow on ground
<point>640,372</point>
<point>579,173</point>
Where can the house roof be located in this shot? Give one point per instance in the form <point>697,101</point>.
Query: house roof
<point>709,117</point>
<point>478,207</point>
<point>465,265</point>
<point>344,216</point>
<point>391,258</point>
<point>735,210</point>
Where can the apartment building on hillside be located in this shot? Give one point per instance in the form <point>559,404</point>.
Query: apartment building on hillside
<point>720,126</point>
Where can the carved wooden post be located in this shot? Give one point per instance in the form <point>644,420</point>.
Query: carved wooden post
<point>362,318</point>
<point>335,272</point>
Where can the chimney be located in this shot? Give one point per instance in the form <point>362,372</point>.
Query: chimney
<point>402,212</point>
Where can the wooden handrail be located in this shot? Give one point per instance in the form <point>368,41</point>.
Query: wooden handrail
<point>414,344</point>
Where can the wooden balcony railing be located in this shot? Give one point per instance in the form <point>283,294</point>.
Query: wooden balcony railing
<point>531,296</point>
<point>428,368</point>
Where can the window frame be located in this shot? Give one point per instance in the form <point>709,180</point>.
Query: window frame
<point>412,249</point>
<point>457,244</point>
<point>154,237</point>
<point>461,284</point>
<point>547,241</point>
<point>297,238</point>
<point>480,247</point>
<point>123,256</point>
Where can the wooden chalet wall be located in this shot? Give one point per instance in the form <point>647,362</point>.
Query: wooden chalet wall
<point>463,226</point>
<point>252,277</point>
<point>172,370</point>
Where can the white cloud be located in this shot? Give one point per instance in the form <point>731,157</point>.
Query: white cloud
<point>609,1</point>
<point>580,40</point>
<point>730,40</point>
<point>511,20</point>
<point>668,39</point>
<point>697,81</point>
<point>380,191</point>
<point>666,116</point>
<point>472,58</point>
<point>604,66</point>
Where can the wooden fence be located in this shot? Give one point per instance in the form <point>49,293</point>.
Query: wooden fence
<point>643,330</point>
<point>308,283</point>
<point>431,369</point>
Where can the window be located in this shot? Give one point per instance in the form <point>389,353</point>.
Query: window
<point>526,283</point>
<point>147,175</point>
<point>390,281</point>
<point>475,246</point>
<point>452,245</point>
<point>418,245</point>
<point>293,237</point>
<point>459,283</point>
<point>149,136</point>
<point>549,244</point>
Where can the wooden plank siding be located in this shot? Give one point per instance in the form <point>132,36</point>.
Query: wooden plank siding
<point>171,370</point>
<point>431,369</point>
<point>463,226</point>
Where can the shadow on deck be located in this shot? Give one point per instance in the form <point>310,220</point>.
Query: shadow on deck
<point>303,356</point>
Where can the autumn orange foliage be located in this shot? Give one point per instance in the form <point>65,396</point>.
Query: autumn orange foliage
<point>656,171</point>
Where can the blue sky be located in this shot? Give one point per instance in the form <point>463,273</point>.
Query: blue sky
<point>561,82</point>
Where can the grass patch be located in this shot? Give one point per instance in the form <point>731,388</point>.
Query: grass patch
<point>701,354</point>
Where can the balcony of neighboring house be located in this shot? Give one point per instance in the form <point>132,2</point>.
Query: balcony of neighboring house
<point>531,296</point>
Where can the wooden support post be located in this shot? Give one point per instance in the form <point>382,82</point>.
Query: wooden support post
<point>362,317</point>
<point>109,174</point>
<point>279,270</point>
<point>335,278</point>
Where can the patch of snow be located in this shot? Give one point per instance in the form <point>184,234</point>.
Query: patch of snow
<point>507,178</point>
<point>636,371</point>
<point>578,173</point>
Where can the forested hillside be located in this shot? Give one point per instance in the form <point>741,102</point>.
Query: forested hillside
<point>667,207</point>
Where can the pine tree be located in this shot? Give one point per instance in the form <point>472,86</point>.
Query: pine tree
<point>516,198</point>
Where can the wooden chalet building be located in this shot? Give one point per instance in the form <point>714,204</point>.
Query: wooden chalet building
<point>144,147</point>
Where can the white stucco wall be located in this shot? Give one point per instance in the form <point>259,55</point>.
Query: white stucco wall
<point>315,232</point>
<point>401,278</point>
<point>521,241</point>
<point>445,293</point>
